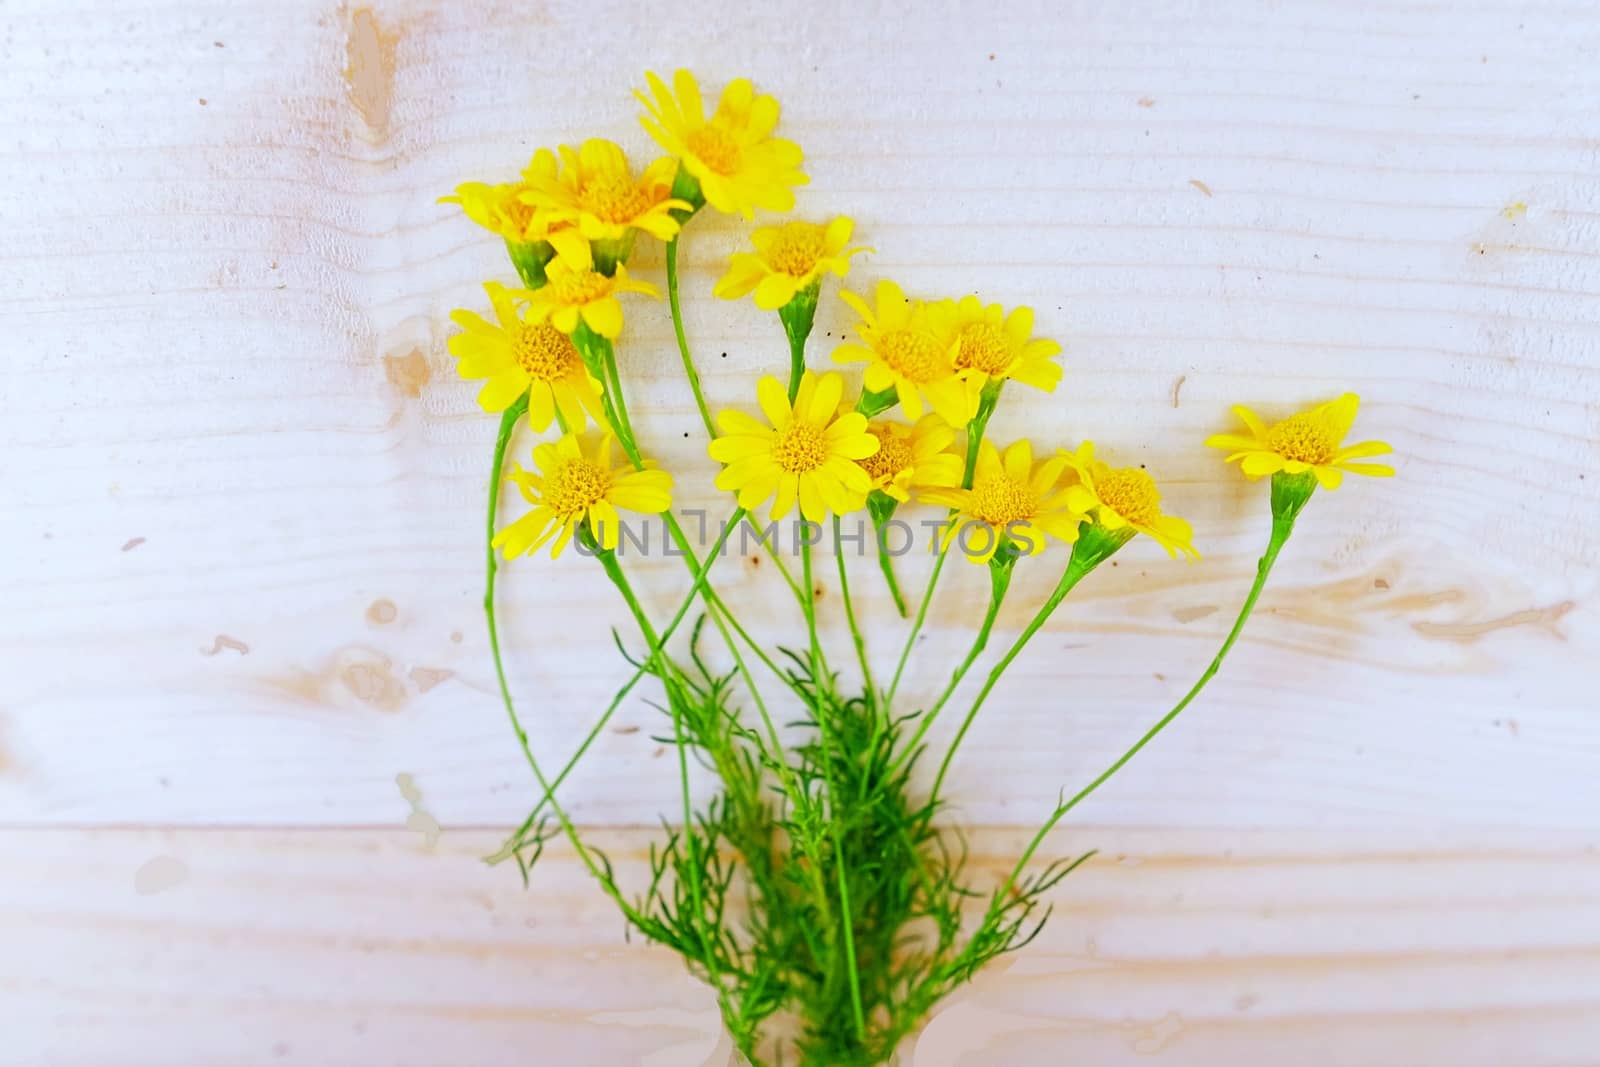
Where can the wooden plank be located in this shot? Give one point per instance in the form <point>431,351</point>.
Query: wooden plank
<point>240,567</point>
<point>236,436</point>
<point>243,947</point>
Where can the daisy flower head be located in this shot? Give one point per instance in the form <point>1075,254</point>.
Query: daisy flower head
<point>991,345</point>
<point>788,259</point>
<point>500,208</point>
<point>1013,500</point>
<point>1120,498</point>
<point>806,451</point>
<point>912,458</point>
<point>737,163</point>
<point>518,355</point>
<point>576,485</point>
<point>596,192</point>
<point>903,352</point>
<point>1308,441</point>
<point>576,291</point>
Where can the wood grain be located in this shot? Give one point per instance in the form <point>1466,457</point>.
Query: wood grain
<point>239,555</point>
<point>1203,947</point>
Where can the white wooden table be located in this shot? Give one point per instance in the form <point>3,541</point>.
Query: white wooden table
<point>243,487</point>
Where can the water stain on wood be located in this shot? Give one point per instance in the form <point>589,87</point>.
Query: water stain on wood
<point>408,373</point>
<point>222,641</point>
<point>1157,1036</point>
<point>1177,386</point>
<point>1546,618</point>
<point>1202,186</point>
<point>159,874</point>
<point>132,543</point>
<point>425,678</point>
<point>369,70</point>
<point>421,819</point>
<point>382,612</point>
<point>369,677</point>
<point>1197,611</point>
<point>354,673</point>
<point>456,637</point>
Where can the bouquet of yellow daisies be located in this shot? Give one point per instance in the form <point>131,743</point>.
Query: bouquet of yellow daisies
<point>819,892</point>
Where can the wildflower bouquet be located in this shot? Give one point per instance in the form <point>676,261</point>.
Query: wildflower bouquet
<point>819,891</point>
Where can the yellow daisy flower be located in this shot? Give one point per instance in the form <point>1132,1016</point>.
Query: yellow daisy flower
<point>994,345</point>
<point>501,209</point>
<point>739,164</point>
<point>912,457</point>
<point>1012,498</point>
<point>788,259</point>
<point>576,484</point>
<point>520,356</point>
<point>1309,441</point>
<point>575,290</point>
<point>597,192</point>
<point>807,453</point>
<point>904,352</point>
<point>1120,497</point>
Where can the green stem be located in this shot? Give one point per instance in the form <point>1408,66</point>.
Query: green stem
<point>617,408</point>
<point>881,507</point>
<point>798,316</point>
<point>916,627</point>
<point>975,431</point>
<point>617,405</point>
<point>1282,526</point>
<point>678,616</point>
<point>683,341</point>
<point>850,617</point>
<point>508,421</point>
<point>886,565</point>
<point>835,822</point>
<point>797,365</point>
<point>613,569</point>
<point>1000,581</point>
<point>1074,574</point>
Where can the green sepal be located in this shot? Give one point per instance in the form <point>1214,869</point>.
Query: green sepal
<point>873,404</point>
<point>881,506</point>
<point>611,253</point>
<point>686,187</point>
<point>530,259</point>
<point>592,348</point>
<point>1001,564</point>
<point>1096,544</point>
<point>799,314</point>
<point>1290,492</point>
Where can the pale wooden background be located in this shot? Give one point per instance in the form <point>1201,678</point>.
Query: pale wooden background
<point>243,489</point>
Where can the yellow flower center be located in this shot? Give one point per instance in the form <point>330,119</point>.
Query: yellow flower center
<point>1001,501</point>
<point>893,454</point>
<point>911,354</point>
<point>800,448</point>
<point>575,487</point>
<point>580,287</point>
<point>1302,437</point>
<point>613,198</point>
<point>984,348</point>
<point>547,354</point>
<point>796,249</point>
<point>716,148</point>
<point>1131,493</point>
